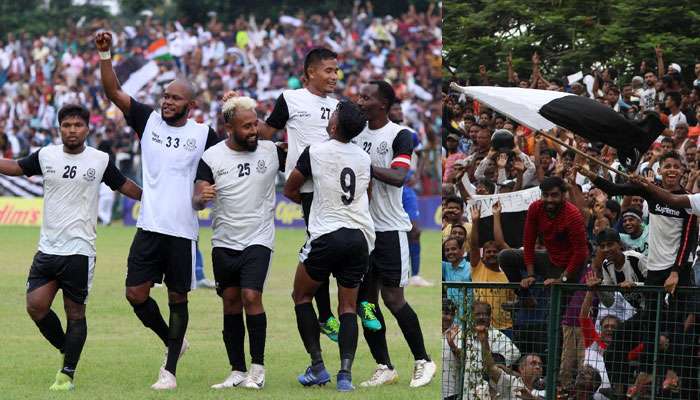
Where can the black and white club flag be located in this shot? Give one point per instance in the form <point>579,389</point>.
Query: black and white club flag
<point>544,109</point>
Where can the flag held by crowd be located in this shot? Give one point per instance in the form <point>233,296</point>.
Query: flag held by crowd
<point>544,109</point>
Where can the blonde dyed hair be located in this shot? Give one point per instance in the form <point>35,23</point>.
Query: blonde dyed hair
<point>238,103</point>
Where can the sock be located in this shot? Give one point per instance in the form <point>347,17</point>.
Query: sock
<point>257,330</point>
<point>234,335</point>
<point>309,331</point>
<point>149,314</point>
<point>377,341</point>
<point>323,302</point>
<point>414,252</point>
<point>363,291</point>
<point>178,326</point>
<point>347,340</point>
<point>410,326</point>
<point>76,333</point>
<point>50,327</point>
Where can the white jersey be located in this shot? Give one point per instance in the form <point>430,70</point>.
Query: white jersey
<point>71,193</point>
<point>170,156</point>
<point>341,174</point>
<point>305,116</point>
<point>390,145</point>
<point>244,207</point>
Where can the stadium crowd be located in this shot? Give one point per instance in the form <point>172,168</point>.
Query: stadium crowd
<point>38,74</point>
<point>591,226</point>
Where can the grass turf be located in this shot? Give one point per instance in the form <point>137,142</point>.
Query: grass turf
<point>121,358</point>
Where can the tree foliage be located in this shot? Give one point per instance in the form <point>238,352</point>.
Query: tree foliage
<point>29,17</point>
<point>569,35</point>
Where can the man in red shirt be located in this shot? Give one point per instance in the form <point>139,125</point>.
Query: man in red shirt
<point>560,225</point>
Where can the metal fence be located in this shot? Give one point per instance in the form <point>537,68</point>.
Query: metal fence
<point>569,342</point>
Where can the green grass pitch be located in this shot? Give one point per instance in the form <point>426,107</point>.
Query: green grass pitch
<point>121,358</point>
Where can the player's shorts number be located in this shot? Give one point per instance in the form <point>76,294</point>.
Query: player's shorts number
<point>347,183</point>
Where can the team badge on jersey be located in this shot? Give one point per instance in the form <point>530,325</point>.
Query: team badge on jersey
<point>383,148</point>
<point>89,175</point>
<point>261,167</point>
<point>190,145</point>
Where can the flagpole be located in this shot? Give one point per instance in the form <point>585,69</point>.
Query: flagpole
<point>584,155</point>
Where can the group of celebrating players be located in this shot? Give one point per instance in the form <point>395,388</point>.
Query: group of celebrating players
<point>345,163</point>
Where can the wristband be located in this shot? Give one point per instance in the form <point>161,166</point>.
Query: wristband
<point>105,55</point>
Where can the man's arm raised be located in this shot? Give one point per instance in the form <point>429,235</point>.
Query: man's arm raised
<point>110,83</point>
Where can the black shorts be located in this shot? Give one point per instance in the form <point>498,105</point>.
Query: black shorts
<point>154,255</point>
<point>247,268</point>
<point>390,262</point>
<point>342,253</point>
<point>73,273</point>
<point>306,200</point>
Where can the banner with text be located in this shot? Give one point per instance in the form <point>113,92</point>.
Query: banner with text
<point>21,211</point>
<point>514,207</point>
<point>288,214</point>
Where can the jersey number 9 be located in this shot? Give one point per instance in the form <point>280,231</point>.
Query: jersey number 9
<point>346,175</point>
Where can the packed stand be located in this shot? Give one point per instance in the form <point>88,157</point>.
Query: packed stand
<point>257,58</point>
<point>589,225</point>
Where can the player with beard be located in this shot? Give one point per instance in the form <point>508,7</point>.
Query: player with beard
<point>165,243</point>
<point>341,235</point>
<point>390,147</point>
<point>673,235</point>
<point>305,114</point>
<point>239,175</point>
<point>65,259</point>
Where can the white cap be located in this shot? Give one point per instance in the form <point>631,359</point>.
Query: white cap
<point>676,67</point>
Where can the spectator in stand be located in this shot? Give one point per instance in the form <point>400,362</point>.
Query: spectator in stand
<point>485,338</point>
<point>561,225</point>
<point>451,351</point>
<point>635,233</point>
<point>253,57</point>
<point>455,268</point>
<point>453,214</point>
<point>485,268</point>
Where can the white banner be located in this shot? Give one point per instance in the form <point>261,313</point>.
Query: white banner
<point>510,202</point>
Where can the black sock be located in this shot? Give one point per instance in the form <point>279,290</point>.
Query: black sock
<point>50,327</point>
<point>347,340</point>
<point>309,331</point>
<point>76,333</point>
<point>234,335</point>
<point>363,291</point>
<point>149,314</point>
<point>257,331</point>
<point>376,340</point>
<point>176,334</point>
<point>410,326</point>
<point>323,302</point>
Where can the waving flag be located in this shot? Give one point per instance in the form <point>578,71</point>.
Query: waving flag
<point>545,109</point>
<point>159,50</point>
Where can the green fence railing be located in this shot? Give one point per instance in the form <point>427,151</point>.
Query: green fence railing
<point>639,342</point>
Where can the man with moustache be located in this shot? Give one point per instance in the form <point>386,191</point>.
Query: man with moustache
<point>239,175</point>
<point>165,243</point>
